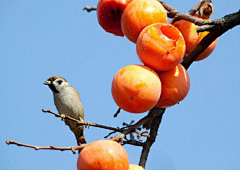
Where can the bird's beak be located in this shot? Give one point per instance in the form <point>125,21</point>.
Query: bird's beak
<point>47,83</point>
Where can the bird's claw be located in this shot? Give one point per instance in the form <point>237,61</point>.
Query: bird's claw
<point>63,116</point>
<point>87,124</point>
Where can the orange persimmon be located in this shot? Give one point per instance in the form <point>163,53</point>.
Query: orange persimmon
<point>103,154</point>
<point>161,46</point>
<point>192,38</point>
<point>136,88</point>
<point>109,14</point>
<point>175,86</point>
<point>140,13</point>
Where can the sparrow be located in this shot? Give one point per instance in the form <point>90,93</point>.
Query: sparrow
<point>67,101</point>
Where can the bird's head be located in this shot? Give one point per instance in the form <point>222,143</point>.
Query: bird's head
<point>56,83</point>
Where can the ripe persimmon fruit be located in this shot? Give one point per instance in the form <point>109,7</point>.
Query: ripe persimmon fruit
<point>103,154</point>
<point>140,13</point>
<point>109,14</point>
<point>175,86</point>
<point>136,88</point>
<point>192,38</point>
<point>161,46</point>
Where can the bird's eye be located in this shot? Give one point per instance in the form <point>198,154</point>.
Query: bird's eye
<point>59,82</point>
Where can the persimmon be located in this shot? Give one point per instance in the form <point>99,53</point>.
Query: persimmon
<point>109,14</point>
<point>136,88</point>
<point>175,86</point>
<point>192,38</point>
<point>161,46</point>
<point>140,13</point>
<point>135,167</point>
<point>103,154</point>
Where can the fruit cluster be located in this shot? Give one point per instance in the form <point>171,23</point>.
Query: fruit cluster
<point>161,82</point>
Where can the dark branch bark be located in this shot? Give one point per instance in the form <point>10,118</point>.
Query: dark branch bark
<point>88,9</point>
<point>228,22</point>
<point>153,134</point>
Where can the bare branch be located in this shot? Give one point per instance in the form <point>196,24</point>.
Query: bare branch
<point>195,8</point>
<point>117,112</point>
<point>233,20</point>
<point>86,123</point>
<point>153,134</point>
<point>152,114</point>
<point>72,148</point>
<point>225,23</point>
<point>172,11</point>
<point>131,142</point>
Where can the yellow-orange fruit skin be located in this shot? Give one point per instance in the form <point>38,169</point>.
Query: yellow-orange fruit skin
<point>175,86</point>
<point>135,167</point>
<point>140,13</point>
<point>103,155</point>
<point>161,46</point>
<point>192,38</point>
<point>136,88</point>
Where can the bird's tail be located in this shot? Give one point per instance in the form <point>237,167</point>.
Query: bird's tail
<point>79,133</point>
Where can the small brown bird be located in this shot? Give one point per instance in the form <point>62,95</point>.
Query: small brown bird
<point>67,102</point>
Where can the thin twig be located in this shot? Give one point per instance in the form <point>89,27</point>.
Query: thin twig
<point>72,148</point>
<point>194,9</point>
<point>86,123</point>
<point>171,11</point>
<point>88,9</point>
<point>135,143</point>
<point>125,130</point>
<point>117,112</point>
<point>152,114</point>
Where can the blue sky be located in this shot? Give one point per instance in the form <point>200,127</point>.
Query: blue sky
<point>39,39</point>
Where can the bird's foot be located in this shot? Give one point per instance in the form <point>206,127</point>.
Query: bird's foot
<point>87,124</point>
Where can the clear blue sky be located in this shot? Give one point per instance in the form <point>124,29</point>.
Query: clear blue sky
<point>39,39</point>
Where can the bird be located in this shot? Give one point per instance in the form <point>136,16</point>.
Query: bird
<point>67,102</point>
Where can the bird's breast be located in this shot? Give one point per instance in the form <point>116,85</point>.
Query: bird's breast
<point>69,104</point>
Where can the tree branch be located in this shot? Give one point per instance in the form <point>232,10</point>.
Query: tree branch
<point>72,148</point>
<point>86,123</point>
<point>153,134</point>
<point>228,22</point>
<point>88,9</point>
<point>152,114</point>
<point>118,138</point>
